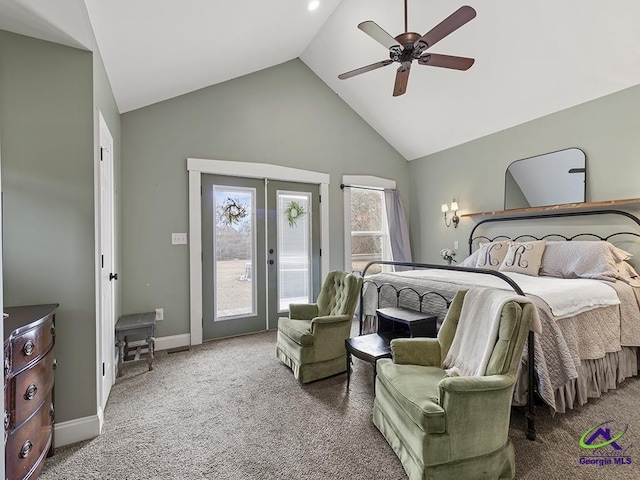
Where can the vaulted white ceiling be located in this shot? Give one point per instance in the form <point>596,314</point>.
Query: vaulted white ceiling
<point>532,58</point>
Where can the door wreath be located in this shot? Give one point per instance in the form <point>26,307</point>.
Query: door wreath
<point>293,212</point>
<point>233,211</point>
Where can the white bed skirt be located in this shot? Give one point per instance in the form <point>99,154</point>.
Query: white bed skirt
<point>595,377</point>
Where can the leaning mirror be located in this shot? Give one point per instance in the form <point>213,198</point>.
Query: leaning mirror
<point>554,178</point>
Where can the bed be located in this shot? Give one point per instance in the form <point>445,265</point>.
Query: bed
<point>581,281</point>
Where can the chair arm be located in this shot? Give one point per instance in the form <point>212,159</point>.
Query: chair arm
<point>303,311</point>
<point>479,408</point>
<point>476,384</point>
<point>416,351</point>
<point>329,319</point>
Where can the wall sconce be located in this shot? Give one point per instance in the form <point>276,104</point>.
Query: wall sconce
<point>454,219</point>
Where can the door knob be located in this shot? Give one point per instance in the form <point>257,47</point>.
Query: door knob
<point>113,276</point>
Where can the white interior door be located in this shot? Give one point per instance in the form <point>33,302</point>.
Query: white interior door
<point>107,266</point>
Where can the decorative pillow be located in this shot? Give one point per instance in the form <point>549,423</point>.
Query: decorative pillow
<point>582,259</point>
<point>471,260</point>
<point>524,257</point>
<point>491,254</point>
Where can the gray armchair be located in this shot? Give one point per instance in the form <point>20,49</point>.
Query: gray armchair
<point>311,340</point>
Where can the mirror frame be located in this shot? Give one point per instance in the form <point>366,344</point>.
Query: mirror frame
<point>550,154</point>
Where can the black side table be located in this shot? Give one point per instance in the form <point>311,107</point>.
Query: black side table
<point>393,322</point>
<point>403,322</point>
<point>369,348</point>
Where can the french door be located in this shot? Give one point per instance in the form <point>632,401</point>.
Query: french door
<point>260,252</point>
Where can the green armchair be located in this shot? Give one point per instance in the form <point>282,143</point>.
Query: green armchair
<point>311,340</point>
<point>451,427</point>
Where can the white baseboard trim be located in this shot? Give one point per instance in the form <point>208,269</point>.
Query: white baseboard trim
<point>173,341</point>
<point>76,430</point>
<point>165,343</point>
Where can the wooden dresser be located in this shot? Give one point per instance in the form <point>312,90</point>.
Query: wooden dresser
<point>29,334</point>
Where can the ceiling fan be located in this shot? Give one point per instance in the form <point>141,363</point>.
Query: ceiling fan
<point>410,46</point>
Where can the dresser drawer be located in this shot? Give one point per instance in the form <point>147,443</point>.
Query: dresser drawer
<point>31,344</point>
<point>27,445</point>
<point>28,390</point>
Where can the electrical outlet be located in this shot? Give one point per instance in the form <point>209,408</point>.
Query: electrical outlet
<point>178,239</point>
<point>455,245</point>
<point>159,314</point>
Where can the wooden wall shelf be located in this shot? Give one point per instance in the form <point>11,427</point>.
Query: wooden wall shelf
<point>629,203</point>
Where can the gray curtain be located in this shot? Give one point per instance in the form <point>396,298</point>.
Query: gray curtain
<point>398,228</point>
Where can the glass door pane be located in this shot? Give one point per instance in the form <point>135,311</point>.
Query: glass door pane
<point>234,266</point>
<point>294,247</point>
<point>234,252</point>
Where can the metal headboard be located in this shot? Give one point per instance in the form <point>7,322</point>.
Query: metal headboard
<point>632,217</point>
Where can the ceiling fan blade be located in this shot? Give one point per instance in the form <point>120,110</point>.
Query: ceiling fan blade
<point>446,61</point>
<point>448,25</point>
<point>376,32</point>
<point>368,68</point>
<point>402,77</point>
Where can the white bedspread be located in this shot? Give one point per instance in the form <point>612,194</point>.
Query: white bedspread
<point>565,297</point>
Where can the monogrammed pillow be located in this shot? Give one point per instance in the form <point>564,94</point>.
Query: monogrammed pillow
<point>524,257</point>
<point>491,254</point>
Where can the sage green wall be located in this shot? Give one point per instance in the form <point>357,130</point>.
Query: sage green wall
<point>46,120</point>
<point>284,115</point>
<point>606,129</point>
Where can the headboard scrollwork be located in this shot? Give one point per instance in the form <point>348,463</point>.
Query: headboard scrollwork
<point>579,236</point>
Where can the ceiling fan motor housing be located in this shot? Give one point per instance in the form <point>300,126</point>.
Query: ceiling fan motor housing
<point>409,51</point>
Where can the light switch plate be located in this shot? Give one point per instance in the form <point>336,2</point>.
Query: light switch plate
<point>178,239</point>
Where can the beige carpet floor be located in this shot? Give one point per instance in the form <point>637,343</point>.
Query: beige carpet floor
<point>230,410</point>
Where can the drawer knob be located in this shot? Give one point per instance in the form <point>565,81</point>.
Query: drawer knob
<point>26,449</point>
<point>30,394</point>
<point>29,348</point>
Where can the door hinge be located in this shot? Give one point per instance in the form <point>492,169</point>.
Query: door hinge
<point>320,252</point>
<point>101,153</point>
<point>319,198</point>
<point>102,260</point>
<point>103,369</point>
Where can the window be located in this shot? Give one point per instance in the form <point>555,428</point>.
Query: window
<point>366,232</point>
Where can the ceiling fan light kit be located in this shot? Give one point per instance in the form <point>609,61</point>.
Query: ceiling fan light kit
<point>410,46</point>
